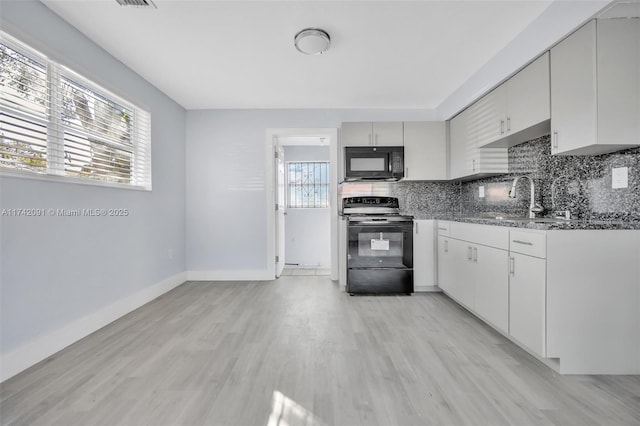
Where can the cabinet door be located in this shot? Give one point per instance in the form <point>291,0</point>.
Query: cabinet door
<point>462,272</point>
<point>618,96</point>
<point>388,133</point>
<point>528,100</point>
<point>527,301</point>
<point>356,134</point>
<point>445,264</point>
<point>423,255</point>
<point>491,289</point>
<point>573,91</point>
<point>492,116</point>
<point>425,150</point>
<point>462,144</point>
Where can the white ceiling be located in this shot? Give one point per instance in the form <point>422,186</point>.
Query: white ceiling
<point>240,54</point>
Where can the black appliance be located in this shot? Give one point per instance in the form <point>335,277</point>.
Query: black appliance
<point>374,163</point>
<point>380,246</point>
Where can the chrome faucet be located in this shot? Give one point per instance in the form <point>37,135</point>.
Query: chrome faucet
<point>533,206</point>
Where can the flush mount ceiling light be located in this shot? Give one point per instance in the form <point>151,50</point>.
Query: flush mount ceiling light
<point>312,41</point>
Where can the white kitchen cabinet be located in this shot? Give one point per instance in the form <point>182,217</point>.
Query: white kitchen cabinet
<point>467,160</point>
<point>491,287</point>
<point>476,272</point>
<point>425,150</point>
<point>570,297</point>
<point>528,102</point>
<point>445,266</point>
<point>461,273</point>
<point>527,301</point>
<point>424,255</point>
<point>372,134</point>
<point>595,88</point>
<point>492,115</point>
<point>518,110</point>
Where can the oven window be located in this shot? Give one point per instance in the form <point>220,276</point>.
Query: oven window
<point>373,164</point>
<point>380,244</point>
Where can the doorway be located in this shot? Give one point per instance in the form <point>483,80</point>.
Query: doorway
<point>303,231</point>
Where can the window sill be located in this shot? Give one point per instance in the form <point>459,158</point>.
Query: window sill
<point>68,180</point>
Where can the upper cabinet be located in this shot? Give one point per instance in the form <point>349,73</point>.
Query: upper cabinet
<point>595,88</point>
<point>518,110</point>
<point>466,159</point>
<point>425,150</point>
<point>372,134</point>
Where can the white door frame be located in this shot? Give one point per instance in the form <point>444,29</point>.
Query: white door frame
<point>272,136</point>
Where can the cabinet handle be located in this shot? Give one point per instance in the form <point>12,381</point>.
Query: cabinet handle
<point>417,231</point>
<point>475,254</point>
<point>473,165</point>
<point>555,139</point>
<point>526,243</point>
<point>502,127</point>
<point>512,265</point>
<point>442,229</point>
<point>469,253</point>
<point>446,246</point>
<point>508,124</point>
<point>406,172</point>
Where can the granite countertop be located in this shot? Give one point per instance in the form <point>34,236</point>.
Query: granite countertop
<point>545,224</point>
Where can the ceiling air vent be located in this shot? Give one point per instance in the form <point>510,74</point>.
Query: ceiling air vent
<point>137,3</point>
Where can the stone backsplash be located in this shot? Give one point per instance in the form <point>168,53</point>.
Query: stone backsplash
<point>580,184</point>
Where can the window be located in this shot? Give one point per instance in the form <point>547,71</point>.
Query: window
<point>308,184</point>
<point>56,122</point>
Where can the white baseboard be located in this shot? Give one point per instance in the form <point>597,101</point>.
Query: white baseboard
<point>427,289</point>
<point>231,275</point>
<point>41,347</point>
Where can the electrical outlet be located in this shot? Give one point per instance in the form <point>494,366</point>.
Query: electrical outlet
<point>619,177</point>
<point>481,191</point>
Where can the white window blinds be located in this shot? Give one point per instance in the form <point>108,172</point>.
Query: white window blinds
<point>57,122</point>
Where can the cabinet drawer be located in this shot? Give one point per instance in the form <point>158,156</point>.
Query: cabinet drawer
<point>529,243</point>
<point>443,228</point>
<point>486,235</point>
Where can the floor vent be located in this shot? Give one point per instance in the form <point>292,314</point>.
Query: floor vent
<point>137,3</point>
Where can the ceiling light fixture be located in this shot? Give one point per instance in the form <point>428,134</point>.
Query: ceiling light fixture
<point>312,41</point>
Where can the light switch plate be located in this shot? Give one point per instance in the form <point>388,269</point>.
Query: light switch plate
<point>619,177</point>
<point>481,191</point>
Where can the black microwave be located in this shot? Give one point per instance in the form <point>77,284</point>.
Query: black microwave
<point>374,163</point>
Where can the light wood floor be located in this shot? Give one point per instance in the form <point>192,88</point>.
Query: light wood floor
<point>299,351</point>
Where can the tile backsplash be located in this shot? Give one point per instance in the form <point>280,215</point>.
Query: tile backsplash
<point>580,184</point>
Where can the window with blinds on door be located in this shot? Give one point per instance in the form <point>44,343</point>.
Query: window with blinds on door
<point>307,184</point>
<point>57,122</point>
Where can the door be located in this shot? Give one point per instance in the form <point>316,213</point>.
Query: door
<point>491,289</point>
<point>280,207</point>
<point>380,245</point>
<point>388,133</point>
<point>425,150</point>
<point>445,265</point>
<point>527,301</point>
<point>573,90</point>
<point>356,134</point>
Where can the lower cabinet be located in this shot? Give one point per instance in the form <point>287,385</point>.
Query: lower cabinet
<point>423,255</point>
<point>445,267</point>
<point>462,272</point>
<point>475,274</point>
<point>527,301</point>
<point>569,297</point>
<point>491,290</point>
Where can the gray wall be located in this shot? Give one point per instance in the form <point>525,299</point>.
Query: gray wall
<point>226,169</point>
<point>308,231</point>
<point>57,270</point>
